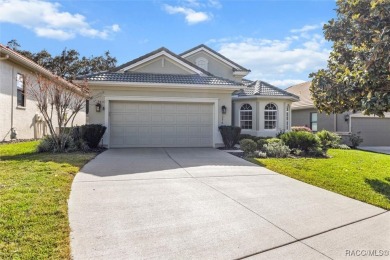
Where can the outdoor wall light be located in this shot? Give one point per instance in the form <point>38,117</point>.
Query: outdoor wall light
<point>346,118</point>
<point>98,107</point>
<point>223,109</point>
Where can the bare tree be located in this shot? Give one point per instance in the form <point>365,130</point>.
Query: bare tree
<point>59,102</point>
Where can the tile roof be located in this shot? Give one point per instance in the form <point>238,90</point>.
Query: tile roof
<point>241,68</point>
<point>193,79</point>
<point>261,88</point>
<point>303,92</point>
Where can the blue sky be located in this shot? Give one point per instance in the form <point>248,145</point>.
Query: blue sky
<point>281,41</point>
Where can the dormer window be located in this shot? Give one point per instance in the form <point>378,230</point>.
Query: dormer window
<point>202,63</point>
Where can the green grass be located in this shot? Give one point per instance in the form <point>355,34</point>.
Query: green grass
<point>34,189</point>
<point>361,175</point>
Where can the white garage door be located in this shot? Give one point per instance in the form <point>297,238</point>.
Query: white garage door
<point>160,124</point>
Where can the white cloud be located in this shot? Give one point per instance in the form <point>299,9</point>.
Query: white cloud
<point>46,20</point>
<point>191,16</point>
<point>305,28</point>
<point>281,62</point>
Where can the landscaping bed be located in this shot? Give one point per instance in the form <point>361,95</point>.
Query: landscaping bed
<point>34,189</point>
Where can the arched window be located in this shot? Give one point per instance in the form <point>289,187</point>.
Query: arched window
<point>270,116</point>
<point>288,117</point>
<point>246,116</point>
<point>202,63</point>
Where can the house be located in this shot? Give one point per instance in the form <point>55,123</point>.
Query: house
<point>375,131</point>
<point>163,99</point>
<point>20,117</point>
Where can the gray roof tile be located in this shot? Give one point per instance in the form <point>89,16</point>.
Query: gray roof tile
<point>261,88</point>
<point>160,78</point>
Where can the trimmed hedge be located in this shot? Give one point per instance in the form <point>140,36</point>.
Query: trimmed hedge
<point>90,134</point>
<point>230,135</point>
<point>302,140</point>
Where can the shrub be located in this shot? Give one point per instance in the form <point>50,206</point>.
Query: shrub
<point>296,151</point>
<point>260,144</point>
<point>300,128</point>
<point>279,134</point>
<point>273,140</point>
<point>316,152</point>
<point>246,136</point>
<point>230,135</point>
<point>48,144</point>
<point>328,140</point>
<point>277,149</point>
<point>260,154</point>
<point>342,146</point>
<point>355,140</point>
<point>248,146</point>
<point>90,134</point>
<point>301,140</point>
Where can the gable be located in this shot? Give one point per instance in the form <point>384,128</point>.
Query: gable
<point>162,65</point>
<point>155,62</point>
<point>214,66</point>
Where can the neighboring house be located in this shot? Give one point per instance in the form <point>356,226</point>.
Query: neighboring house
<point>167,100</point>
<point>375,131</point>
<point>20,117</point>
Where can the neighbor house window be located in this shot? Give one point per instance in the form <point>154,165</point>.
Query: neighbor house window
<point>313,121</point>
<point>270,116</point>
<point>20,90</point>
<point>288,117</point>
<point>202,63</point>
<point>246,116</point>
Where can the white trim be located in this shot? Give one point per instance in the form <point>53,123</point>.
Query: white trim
<point>162,53</point>
<point>165,85</point>
<point>212,54</point>
<point>240,73</point>
<point>213,101</point>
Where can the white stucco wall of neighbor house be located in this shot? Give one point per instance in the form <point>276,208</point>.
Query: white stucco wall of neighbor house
<point>106,93</point>
<point>283,121</point>
<point>22,119</point>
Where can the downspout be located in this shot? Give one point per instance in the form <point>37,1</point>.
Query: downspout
<point>335,123</point>
<point>12,100</point>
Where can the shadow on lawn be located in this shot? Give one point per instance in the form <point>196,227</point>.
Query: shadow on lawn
<point>382,187</point>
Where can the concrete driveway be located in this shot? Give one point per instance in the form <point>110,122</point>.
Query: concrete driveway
<point>201,203</point>
<point>377,149</point>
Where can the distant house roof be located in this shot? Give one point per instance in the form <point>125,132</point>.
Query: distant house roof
<point>261,88</point>
<point>14,56</point>
<point>303,92</point>
<point>160,50</point>
<point>220,56</point>
<point>135,77</point>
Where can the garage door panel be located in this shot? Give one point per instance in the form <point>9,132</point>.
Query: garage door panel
<point>169,119</point>
<point>160,124</point>
<point>118,107</point>
<point>374,131</point>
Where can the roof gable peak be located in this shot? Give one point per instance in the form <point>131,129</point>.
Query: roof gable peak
<point>162,51</point>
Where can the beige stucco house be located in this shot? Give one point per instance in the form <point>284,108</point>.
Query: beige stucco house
<point>163,99</point>
<point>20,117</point>
<point>375,131</point>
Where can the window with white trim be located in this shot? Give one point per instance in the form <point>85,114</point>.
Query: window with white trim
<point>246,121</point>
<point>313,121</point>
<point>202,63</point>
<point>288,117</point>
<point>270,116</point>
<point>20,90</point>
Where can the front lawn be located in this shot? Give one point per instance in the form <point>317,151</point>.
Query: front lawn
<point>361,175</point>
<point>34,189</point>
